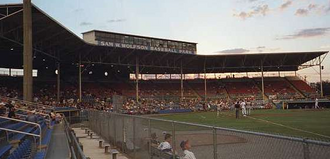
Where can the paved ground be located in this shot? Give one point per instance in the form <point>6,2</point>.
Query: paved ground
<point>58,147</point>
<point>91,146</point>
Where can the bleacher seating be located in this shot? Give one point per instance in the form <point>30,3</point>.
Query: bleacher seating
<point>27,146</point>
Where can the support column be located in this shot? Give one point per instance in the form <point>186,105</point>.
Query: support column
<point>321,83</point>
<point>262,82</point>
<point>80,73</point>
<point>27,51</point>
<point>181,90</point>
<point>279,73</point>
<point>137,79</point>
<point>58,82</point>
<point>205,88</point>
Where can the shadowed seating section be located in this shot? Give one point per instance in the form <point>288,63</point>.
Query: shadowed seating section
<point>16,145</point>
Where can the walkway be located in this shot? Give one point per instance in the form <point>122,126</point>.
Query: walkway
<point>58,146</point>
<point>91,146</point>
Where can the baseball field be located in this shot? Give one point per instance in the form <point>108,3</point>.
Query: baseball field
<point>311,124</point>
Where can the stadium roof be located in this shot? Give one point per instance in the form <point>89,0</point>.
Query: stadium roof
<point>53,42</point>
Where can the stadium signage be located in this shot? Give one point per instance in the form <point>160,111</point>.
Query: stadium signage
<point>141,47</point>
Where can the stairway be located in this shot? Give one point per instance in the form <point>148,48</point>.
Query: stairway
<point>294,87</point>
<point>264,95</point>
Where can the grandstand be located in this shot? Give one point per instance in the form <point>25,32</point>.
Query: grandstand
<point>153,75</point>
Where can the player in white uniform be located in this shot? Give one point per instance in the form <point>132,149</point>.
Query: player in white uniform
<point>243,106</point>
<point>187,154</point>
<point>317,103</point>
<point>219,107</point>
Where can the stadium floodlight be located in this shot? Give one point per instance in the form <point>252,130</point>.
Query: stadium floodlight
<point>92,64</point>
<point>11,49</point>
<point>46,67</point>
<point>105,73</point>
<point>90,72</point>
<point>111,65</point>
<point>118,71</point>
<point>34,57</point>
<point>56,71</point>
<point>43,59</point>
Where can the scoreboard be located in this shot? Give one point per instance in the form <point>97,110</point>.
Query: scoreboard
<point>127,41</point>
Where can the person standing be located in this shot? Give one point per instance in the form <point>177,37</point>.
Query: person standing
<point>237,106</point>
<point>249,107</point>
<point>317,103</point>
<point>219,105</point>
<point>243,106</point>
<point>185,146</point>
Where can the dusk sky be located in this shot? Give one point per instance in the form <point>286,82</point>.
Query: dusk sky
<point>218,26</point>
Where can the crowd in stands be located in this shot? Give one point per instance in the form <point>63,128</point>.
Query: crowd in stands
<point>156,96</point>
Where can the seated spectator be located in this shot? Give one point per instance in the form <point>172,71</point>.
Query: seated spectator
<point>2,109</point>
<point>58,118</point>
<point>11,113</point>
<point>185,146</point>
<point>31,117</point>
<point>52,115</point>
<point>165,146</point>
<point>10,105</point>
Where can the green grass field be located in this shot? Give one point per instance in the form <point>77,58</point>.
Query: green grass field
<point>312,124</point>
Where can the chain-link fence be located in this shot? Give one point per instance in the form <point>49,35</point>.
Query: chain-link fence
<point>139,137</point>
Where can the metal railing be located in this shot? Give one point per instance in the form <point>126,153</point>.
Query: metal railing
<point>22,132</point>
<point>75,149</point>
<point>137,136</point>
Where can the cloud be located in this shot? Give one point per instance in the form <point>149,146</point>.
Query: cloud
<point>116,20</point>
<point>301,12</point>
<point>237,50</point>
<point>312,6</point>
<point>264,49</point>
<point>257,10</point>
<point>307,33</point>
<point>85,23</point>
<point>286,5</point>
<point>261,47</point>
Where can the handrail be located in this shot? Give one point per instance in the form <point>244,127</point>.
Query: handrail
<point>27,123</point>
<point>43,114</point>
<point>74,140</point>
<point>21,132</point>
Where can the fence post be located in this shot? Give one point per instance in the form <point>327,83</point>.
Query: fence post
<point>215,143</point>
<point>115,130</point>
<point>109,135</point>
<point>305,149</point>
<point>122,133</point>
<point>173,139</point>
<point>134,142</point>
<point>150,139</point>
